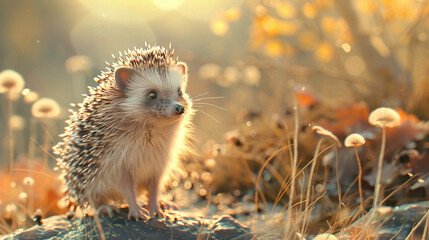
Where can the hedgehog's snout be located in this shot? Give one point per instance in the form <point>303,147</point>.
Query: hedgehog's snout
<point>179,109</point>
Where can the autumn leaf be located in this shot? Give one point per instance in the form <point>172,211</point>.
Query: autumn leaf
<point>350,118</point>
<point>305,98</point>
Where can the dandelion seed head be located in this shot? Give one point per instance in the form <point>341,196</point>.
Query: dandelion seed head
<point>231,75</point>
<point>10,210</point>
<point>45,108</point>
<point>11,207</point>
<point>203,192</point>
<point>207,178</point>
<point>354,140</point>
<point>17,123</point>
<point>384,117</point>
<point>187,185</point>
<point>11,81</point>
<point>252,75</point>
<point>29,96</point>
<point>210,71</point>
<point>325,236</point>
<point>28,181</point>
<point>320,188</point>
<point>320,131</point>
<point>23,196</point>
<point>210,163</point>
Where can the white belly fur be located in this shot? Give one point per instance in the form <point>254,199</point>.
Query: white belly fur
<point>134,157</point>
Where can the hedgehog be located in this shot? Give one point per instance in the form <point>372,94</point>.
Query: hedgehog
<point>128,134</point>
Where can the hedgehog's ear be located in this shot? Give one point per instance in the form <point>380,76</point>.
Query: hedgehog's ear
<point>122,77</point>
<point>183,68</point>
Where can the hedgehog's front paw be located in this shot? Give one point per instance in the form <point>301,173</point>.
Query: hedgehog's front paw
<point>137,213</point>
<point>107,209</point>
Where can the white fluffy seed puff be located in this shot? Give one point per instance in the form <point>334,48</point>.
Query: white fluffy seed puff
<point>127,135</point>
<point>384,117</point>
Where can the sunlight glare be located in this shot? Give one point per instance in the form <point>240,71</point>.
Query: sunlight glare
<point>168,4</point>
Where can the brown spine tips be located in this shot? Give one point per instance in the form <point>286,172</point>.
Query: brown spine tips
<point>122,77</point>
<point>182,67</point>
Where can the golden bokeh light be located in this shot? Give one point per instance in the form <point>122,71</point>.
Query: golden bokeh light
<point>309,10</point>
<point>219,27</point>
<point>270,25</point>
<point>168,4</point>
<point>324,52</point>
<point>273,48</point>
<point>232,14</point>
<point>367,6</point>
<point>328,24</point>
<point>285,10</point>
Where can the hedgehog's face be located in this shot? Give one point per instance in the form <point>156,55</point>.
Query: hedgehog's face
<point>154,95</point>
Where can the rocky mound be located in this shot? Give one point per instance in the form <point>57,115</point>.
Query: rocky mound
<point>119,227</point>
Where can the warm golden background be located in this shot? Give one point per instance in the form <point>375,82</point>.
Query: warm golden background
<point>260,56</point>
<point>252,52</point>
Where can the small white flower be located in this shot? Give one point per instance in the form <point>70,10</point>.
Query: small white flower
<point>11,81</point>
<point>354,140</point>
<point>325,236</point>
<point>28,181</point>
<point>384,117</point>
<point>45,108</point>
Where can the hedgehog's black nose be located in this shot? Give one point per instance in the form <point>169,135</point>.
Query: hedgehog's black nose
<point>179,109</point>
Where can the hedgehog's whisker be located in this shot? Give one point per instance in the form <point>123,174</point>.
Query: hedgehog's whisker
<point>208,115</point>
<point>205,98</point>
<point>200,95</point>
<point>211,104</point>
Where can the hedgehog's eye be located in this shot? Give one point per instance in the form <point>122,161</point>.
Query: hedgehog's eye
<point>152,95</point>
<point>179,92</point>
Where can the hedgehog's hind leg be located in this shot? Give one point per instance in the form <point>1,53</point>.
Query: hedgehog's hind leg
<point>100,205</point>
<point>106,208</point>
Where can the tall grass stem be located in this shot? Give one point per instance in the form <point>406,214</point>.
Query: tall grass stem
<point>379,170</point>
<point>359,178</point>
<point>11,143</point>
<point>294,163</point>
